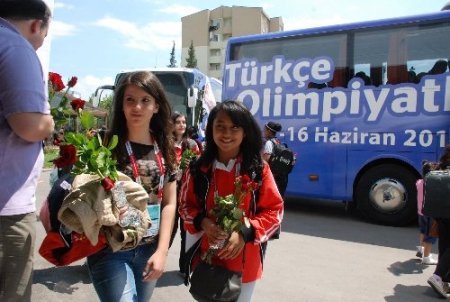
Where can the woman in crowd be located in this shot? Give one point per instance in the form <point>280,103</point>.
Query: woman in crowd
<point>230,153</point>
<point>142,121</point>
<point>182,143</point>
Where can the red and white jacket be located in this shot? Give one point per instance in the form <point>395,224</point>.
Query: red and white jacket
<point>264,220</point>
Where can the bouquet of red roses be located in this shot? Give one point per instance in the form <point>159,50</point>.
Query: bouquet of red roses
<point>85,152</point>
<point>228,211</point>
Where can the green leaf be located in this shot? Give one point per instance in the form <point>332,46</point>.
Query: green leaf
<point>91,145</point>
<point>113,142</point>
<point>237,213</point>
<point>100,159</point>
<point>87,119</point>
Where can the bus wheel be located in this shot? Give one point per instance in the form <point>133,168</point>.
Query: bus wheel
<point>386,194</point>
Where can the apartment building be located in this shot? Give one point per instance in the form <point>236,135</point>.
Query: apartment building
<point>209,31</point>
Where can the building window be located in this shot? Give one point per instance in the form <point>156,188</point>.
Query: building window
<point>215,66</point>
<point>213,37</point>
<point>214,25</point>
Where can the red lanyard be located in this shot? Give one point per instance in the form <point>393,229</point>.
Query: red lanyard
<point>159,160</point>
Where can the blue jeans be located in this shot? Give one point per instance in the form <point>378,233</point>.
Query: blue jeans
<point>117,277</point>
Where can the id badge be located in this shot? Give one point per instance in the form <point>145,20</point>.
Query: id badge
<point>154,211</point>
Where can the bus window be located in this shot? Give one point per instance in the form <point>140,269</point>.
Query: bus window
<point>425,49</point>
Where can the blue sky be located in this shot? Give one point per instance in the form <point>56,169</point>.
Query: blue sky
<point>94,40</point>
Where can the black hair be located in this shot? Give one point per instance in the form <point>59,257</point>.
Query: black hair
<point>444,161</point>
<point>273,127</point>
<point>428,166</point>
<point>25,10</point>
<point>251,145</point>
<point>160,125</point>
<point>439,67</point>
<point>192,132</point>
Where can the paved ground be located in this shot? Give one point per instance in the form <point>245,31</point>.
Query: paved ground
<point>324,255</point>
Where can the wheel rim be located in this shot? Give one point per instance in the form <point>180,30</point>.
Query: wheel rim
<point>388,195</point>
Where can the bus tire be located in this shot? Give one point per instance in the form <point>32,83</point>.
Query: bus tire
<point>386,194</point>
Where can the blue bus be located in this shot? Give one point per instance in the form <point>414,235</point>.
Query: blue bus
<point>362,105</point>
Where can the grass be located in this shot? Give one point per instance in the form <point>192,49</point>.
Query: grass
<point>50,153</point>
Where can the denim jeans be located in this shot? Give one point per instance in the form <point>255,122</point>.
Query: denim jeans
<point>117,277</point>
<point>246,292</point>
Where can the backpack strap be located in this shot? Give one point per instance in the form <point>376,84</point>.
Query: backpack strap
<point>275,141</point>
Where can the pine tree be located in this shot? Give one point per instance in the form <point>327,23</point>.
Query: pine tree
<point>173,61</point>
<point>191,60</point>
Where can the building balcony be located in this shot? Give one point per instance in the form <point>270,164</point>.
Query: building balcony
<point>216,59</point>
<point>216,44</point>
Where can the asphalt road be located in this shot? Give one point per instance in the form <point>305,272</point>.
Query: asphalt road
<point>324,254</point>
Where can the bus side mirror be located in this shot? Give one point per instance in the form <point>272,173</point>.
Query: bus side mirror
<point>98,93</point>
<point>192,97</point>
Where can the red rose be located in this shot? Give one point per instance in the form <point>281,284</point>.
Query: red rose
<point>245,179</point>
<point>254,185</point>
<point>107,183</point>
<point>67,156</point>
<point>56,81</point>
<point>77,104</point>
<point>72,82</point>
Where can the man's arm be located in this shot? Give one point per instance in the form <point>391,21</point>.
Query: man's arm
<point>31,126</point>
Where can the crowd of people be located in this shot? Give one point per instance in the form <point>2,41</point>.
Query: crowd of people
<point>151,149</point>
<point>182,175</point>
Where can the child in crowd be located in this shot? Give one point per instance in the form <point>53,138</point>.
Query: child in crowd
<point>141,119</point>
<point>232,150</point>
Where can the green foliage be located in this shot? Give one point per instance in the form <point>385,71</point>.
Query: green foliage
<point>186,157</point>
<point>191,60</point>
<point>173,61</point>
<point>50,154</point>
<point>229,213</point>
<point>106,103</point>
<point>93,157</point>
<point>60,116</point>
<point>87,120</point>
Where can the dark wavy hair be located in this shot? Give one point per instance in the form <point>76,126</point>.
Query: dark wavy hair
<point>185,137</point>
<point>160,125</point>
<point>25,10</point>
<point>251,145</point>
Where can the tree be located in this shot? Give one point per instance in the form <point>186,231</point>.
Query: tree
<point>173,61</point>
<point>191,60</point>
<point>106,103</point>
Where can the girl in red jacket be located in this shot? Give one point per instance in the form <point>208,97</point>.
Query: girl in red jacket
<point>233,148</point>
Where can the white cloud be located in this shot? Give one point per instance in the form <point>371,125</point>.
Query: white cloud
<point>59,4</point>
<point>267,6</point>
<point>86,85</point>
<point>61,29</point>
<point>152,35</point>
<point>180,10</point>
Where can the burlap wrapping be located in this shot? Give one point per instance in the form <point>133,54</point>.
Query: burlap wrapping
<point>89,208</point>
